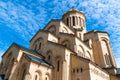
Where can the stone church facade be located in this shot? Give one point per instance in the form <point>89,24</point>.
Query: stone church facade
<point>63,50</point>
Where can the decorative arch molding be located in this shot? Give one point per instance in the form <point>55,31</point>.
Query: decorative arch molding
<point>106,52</point>
<point>38,39</point>
<point>39,72</point>
<point>64,29</point>
<point>88,55</point>
<point>66,43</point>
<point>105,44</point>
<point>81,51</point>
<point>52,29</point>
<point>103,38</point>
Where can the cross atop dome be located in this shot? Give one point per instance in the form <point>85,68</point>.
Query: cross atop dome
<point>73,8</point>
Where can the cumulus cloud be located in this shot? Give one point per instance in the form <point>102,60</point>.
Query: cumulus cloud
<point>21,22</point>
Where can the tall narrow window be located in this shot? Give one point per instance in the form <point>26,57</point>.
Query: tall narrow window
<point>79,21</point>
<point>67,21</point>
<point>23,74</point>
<point>58,65</point>
<point>78,79</point>
<point>35,47</point>
<point>73,18</point>
<point>82,22</point>
<point>49,58</point>
<point>107,59</point>
<point>46,78</point>
<point>36,77</point>
<point>40,45</point>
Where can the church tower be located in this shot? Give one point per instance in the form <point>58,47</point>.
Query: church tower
<point>75,20</point>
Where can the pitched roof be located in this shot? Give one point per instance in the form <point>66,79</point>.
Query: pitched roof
<point>41,61</point>
<point>24,48</point>
<point>29,50</point>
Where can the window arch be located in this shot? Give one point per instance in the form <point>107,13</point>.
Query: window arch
<point>64,29</point>
<point>81,51</point>
<point>49,56</point>
<point>105,49</point>
<point>36,76</point>
<point>47,77</point>
<point>88,55</point>
<point>52,29</point>
<point>58,63</point>
<point>79,21</point>
<point>36,47</point>
<point>38,43</point>
<point>73,18</point>
<point>67,20</point>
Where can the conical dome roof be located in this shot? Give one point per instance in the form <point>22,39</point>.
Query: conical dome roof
<point>73,11</point>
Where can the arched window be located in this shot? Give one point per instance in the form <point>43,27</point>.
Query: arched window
<point>37,75</point>
<point>78,79</point>
<point>81,69</point>
<point>107,59</point>
<point>36,47</point>
<point>73,18</point>
<point>40,45</point>
<point>79,21</point>
<point>82,22</point>
<point>49,56</point>
<point>47,77</point>
<point>23,74</point>
<point>106,52</point>
<point>67,22</point>
<point>58,65</point>
<point>52,29</point>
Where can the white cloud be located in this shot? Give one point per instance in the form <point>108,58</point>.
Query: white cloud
<point>21,19</point>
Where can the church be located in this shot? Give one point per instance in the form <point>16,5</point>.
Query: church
<point>62,50</point>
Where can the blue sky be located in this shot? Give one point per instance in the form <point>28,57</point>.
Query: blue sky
<point>21,19</point>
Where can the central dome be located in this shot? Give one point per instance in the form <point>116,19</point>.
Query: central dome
<point>73,11</point>
<point>74,19</point>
